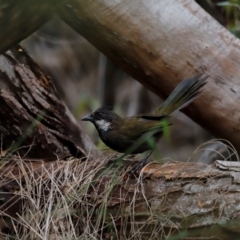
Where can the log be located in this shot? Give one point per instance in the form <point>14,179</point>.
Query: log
<point>160,43</point>
<point>35,123</point>
<point>179,200</point>
<point>19,19</point>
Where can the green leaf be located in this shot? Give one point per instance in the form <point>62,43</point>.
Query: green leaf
<point>166,130</point>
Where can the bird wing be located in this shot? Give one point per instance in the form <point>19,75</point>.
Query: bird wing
<point>153,116</point>
<point>136,127</point>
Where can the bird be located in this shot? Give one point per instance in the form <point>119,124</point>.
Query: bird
<point>130,135</point>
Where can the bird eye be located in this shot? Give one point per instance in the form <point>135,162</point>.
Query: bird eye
<point>99,114</point>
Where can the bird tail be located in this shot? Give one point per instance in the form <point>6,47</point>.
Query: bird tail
<point>183,94</point>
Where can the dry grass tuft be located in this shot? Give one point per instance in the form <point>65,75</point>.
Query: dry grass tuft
<point>71,200</point>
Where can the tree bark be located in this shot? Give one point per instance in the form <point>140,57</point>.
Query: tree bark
<point>19,19</point>
<point>180,200</point>
<point>34,121</point>
<point>160,43</point>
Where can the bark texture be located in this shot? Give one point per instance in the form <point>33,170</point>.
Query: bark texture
<point>19,19</point>
<point>180,200</point>
<point>33,120</point>
<point>160,43</point>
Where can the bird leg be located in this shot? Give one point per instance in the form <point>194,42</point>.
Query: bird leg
<point>142,163</point>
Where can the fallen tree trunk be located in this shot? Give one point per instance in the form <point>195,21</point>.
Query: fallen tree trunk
<point>19,19</point>
<point>160,43</point>
<point>180,200</point>
<point>34,121</point>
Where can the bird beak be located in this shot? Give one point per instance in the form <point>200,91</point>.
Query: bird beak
<point>88,118</point>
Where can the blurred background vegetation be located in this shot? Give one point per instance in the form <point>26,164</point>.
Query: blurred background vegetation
<point>85,79</point>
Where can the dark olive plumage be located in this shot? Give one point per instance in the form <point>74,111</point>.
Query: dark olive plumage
<point>121,133</point>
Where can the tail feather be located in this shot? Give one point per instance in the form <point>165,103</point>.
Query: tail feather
<point>183,94</point>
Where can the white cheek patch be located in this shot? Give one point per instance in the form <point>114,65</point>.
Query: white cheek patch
<point>103,124</point>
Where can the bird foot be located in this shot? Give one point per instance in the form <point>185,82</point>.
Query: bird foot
<point>140,165</point>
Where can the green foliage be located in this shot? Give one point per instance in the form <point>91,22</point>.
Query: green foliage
<point>232,10</point>
<point>166,130</point>
<point>231,3</point>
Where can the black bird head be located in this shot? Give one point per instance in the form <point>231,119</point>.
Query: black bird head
<point>102,118</point>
